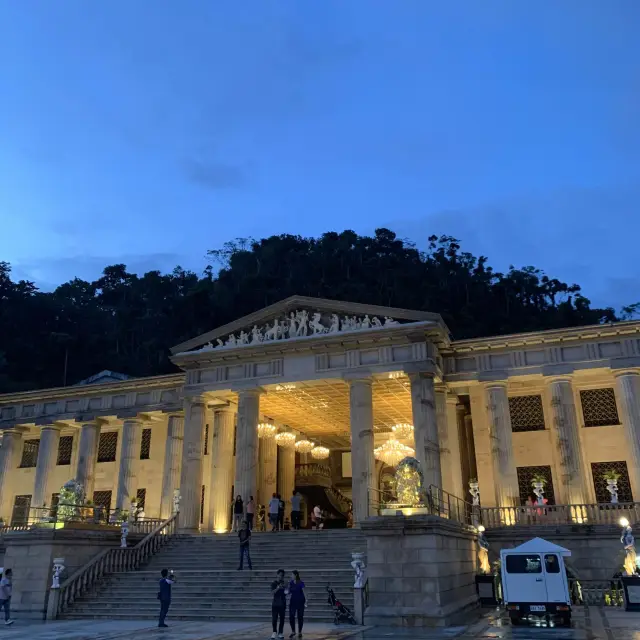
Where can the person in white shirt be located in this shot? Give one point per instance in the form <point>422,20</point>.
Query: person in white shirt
<point>317,516</point>
<point>274,507</point>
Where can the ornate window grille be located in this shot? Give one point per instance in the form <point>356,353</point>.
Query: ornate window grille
<point>206,439</point>
<point>526,413</point>
<point>29,453</point>
<point>145,445</point>
<point>21,508</point>
<point>141,496</point>
<point>598,469</point>
<point>525,478</point>
<point>65,447</point>
<point>102,499</point>
<point>107,446</point>
<point>599,407</point>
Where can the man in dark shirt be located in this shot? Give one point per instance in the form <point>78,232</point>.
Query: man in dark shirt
<point>281,513</point>
<point>279,605</point>
<point>244,535</point>
<point>164,595</point>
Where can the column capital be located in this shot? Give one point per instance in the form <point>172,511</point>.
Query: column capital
<point>357,377</point>
<point>52,427</point>
<point>221,410</point>
<point>559,378</point>
<point>16,430</point>
<point>129,416</point>
<point>250,391</point>
<point>495,384</point>
<point>452,398</point>
<point>626,372</point>
<point>414,376</point>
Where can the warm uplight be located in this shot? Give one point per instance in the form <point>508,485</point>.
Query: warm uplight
<point>481,529</point>
<point>624,522</point>
<point>220,530</point>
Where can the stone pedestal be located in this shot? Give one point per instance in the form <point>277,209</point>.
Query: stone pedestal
<point>191,473</point>
<point>504,466</point>
<point>268,471</point>
<point>421,571</point>
<point>47,457</point>
<point>87,457</point>
<point>425,428</point>
<point>362,459</point>
<point>129,456</point>
<point>246,483</point>
<point>221,470</point>
<point>628,396</point>
<point>172,464</point>
<point>9,452</point>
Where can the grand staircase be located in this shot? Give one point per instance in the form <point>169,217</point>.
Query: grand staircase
<point>209,586</point>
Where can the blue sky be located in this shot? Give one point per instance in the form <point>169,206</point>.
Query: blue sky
<point>147,132</point>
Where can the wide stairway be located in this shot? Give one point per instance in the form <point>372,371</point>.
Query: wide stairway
<point>210,587</point>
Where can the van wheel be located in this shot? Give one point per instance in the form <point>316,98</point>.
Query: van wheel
<point>515,620</point>
<point>565,621</point>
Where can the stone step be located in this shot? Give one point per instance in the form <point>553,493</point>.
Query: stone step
<point>177,616</point>
<point>242,609</point>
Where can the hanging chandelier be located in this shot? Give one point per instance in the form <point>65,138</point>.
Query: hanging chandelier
<point>304,446</point>
<point>392,452</point>
<point>266,430</point>
<point>286,439</point>
<point>402,430</point>
<point>320,453</point>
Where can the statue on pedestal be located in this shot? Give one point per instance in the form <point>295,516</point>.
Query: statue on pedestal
<point>628,542</point>
<point>359,567</point>
<point>483,552</point>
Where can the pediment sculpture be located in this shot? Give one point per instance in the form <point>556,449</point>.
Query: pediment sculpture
<point>299,324</point>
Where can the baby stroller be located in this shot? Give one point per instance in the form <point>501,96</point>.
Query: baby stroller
<point>341,613</point>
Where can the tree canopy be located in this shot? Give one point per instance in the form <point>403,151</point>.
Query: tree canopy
<point>127,323</point>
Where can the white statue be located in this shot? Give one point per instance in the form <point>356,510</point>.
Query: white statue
<point>346,324</point>
<point>302,318</point>
<point>293,325</point>
<point>124,529</point>
<point>612,488</point>
<point>474,490</point>
<point>357,323</point>
<point>376,322</point>
<point>176,500</point>
<point>335,323</point>
<point>272,332</point>
<point>359,567</point>
<point>388,322</point>
<point>316,325</point>
<point>366,322</point>
<point>256,336</point>
<point>58,568</point>
<point>483,552</point>
<point>231,341</point>
<point>244,338</point>
<point>628,542</point>
<point>219,343</point>
<point>538,490</point>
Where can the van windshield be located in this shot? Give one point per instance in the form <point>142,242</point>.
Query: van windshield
<point>524,564</point>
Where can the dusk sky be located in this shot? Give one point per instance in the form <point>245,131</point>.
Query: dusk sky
<point>147,132</point>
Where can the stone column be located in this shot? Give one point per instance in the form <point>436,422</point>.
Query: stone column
<point>47,457</point>
<point>195,412</point>
<point>172,464</point>
<point>129,456</point>
<point>87,457</point>
<point>246,483</point>
<point>564,425</point>
<point>628,396</point>
<point>286,475</point>
<point>268,476</point>
<point>425,427</point>
<point>455,455</point>
<point>471,450</point>
<point>446,463</point>
<point>221,470</point>
<point>9,452</point>
<point>363,463</point>
<point>504,468</point>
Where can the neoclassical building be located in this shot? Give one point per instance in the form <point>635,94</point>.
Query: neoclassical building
<point>564,404</point>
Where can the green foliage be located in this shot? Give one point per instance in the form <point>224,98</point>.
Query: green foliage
<point>127,323</point>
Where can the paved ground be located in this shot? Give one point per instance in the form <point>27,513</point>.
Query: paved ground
<point>589,624</point>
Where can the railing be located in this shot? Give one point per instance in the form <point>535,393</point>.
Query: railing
<point>107,562</point>
<point>599,593</point>
<point>314,469</point>
<point>589,514</point>
<point>339,500</point>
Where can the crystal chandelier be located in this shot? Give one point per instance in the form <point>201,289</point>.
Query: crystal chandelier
<point>320,453</point>
<point>392,452</point>
<point>402,430</point>
<point>286,439</point>
<point>266,430</point>
<point>304,446</point>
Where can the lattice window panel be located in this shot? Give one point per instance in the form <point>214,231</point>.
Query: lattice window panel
<point>108,446</point>
<point>206,439</point>
<point>202,505</point>
<point>598,469</point>
<point>599,407</point>
<point>21,508</point>
<point>526,413</point>
<point>525,477</point>
<point>65,447</point>
<point>145,445</point>
<point>102,499</point>
<point>29,453</point>
<point>141,496</point>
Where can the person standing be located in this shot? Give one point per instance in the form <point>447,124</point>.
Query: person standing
<point>251,509</point>
<point>278,605</point>
<point>317,517</point>
<point>244,535</point>
<point>281,506</point>
<point>6,587</point>
<point>297,604</point>
<point>296,513</point>
<point>164,595</point>
<point>238,513</point>
<point>274,507</point>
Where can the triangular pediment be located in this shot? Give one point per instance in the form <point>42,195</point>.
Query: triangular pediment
<point>540,545</point>
<point>300,316</point>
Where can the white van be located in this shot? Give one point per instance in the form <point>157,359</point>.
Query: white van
<point>534,582</point>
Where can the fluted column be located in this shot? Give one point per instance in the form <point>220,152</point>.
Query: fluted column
<point>9,452</point>
<point>362,460</point>
<point>446,470</point>
<point>454,446</point>
<point>425,427</point>
<point>129,456</point>
<point>87,457</point>
<point>47,457</point>
<point>628,396</point>
<point>172,464</point>
<point>567,440</point>
<point>504,468</point>
<point>268,476</point>
<point>246,483</point>
<point>221,470</point>
<point>195,411</point>
<point>471,450</point>
<point>286,474</point>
